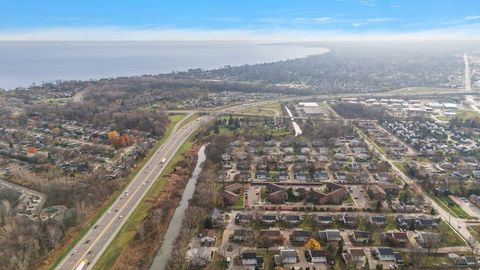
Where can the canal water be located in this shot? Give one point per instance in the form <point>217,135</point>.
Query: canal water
<point>161,259</point>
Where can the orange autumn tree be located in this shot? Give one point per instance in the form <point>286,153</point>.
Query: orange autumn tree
<point>31,150</point>
<point>56,131</point>
<point>114,138</point>
<point>119,140</point>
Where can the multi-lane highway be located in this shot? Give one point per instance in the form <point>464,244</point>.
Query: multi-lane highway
<point>97,239</point>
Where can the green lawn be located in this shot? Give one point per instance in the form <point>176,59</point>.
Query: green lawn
<point>449,237</point>
<point>174,119</point>
<point>467,114</point>
<point>450,206</point>
<point>239,204</point>
<point>129,229</point>
<point>475,231</point>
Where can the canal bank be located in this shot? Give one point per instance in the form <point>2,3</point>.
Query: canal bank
<point>161,259</point>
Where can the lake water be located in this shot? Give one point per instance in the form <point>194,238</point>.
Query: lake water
<point>24,63</point>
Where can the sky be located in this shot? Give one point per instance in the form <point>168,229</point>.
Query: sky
<point>269,20</point>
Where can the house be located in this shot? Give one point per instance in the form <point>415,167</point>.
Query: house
<point>390,188</point>
<point>378,220</point>
<point>398,258</point>
<point>278,197</point>
<point>301,176</point>
<point>463,261</point>
<point>330,235</point>
<point>269,219</point>
<point>340,175</point>
<point>301,236</point>
<point>474,199</point>
<point>382,177</point>
<point>242,218</point>
<point>226,157</point>
<point>273,187</point>
<point>336,194</point>
<point>283,175</point>
<point>354,257</point>
<point>360,237</point>
<point>261,174</point>
<point>234,188</point>
<point>244,176</point>
<point>241,235</point>
<point>362,157</point>
<point>471,261</point>
<point>324,219</point>
<point>384,254</point>
<point>417,222</point>
<point>292,219</point>
<point>272,234</point>
<point>316,256</point>
<point>249,258</point>
<point>208,237</point>
<point>288,256</point>
<point>377,192</point>
<point>353,166</point>
<point>348,220</point>
<point>288,150</point>
<point>320,176</point>
<point>361,177</point>
<point>217,217</point>
<point>229,198</point>
<point>396,239</point>
<point>428,239</point>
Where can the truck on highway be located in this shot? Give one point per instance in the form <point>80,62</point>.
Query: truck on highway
<point>81,265</point>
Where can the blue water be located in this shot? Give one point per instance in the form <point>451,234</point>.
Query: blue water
<point>24,63</point>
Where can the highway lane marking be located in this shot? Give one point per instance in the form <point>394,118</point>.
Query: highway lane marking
<point>122,207</point>
<point>183,130</point>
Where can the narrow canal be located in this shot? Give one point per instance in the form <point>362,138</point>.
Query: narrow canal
<point>161,259</point>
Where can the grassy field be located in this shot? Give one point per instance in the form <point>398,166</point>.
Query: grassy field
<point>174,119</point>
<point>129,229</point>
<point>449,237</point>
<point>450,206</point>
<point>239,204</point>
<point>467,114</point>
<point>421,91</point>
<point>475,231</point>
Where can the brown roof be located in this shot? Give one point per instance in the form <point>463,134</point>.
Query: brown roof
<point>271,233</point>
<point>338,192</point>
<point>274,187</point>
<point>233,187</point>
<point>386,185</point>
<point>376,189</point>
<point>230,196</point>
<point>397,235</point>
<point>208,232</point>
<point>334,186</point>
<point>357,252</point>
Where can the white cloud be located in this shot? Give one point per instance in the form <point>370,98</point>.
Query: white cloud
<point>471,18</point>
<point>471,31</point>
<point>368,21</point>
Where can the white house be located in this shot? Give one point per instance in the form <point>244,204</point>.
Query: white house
<point>384,254</point>
<point>249,258</point>
<point>289,256</point>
